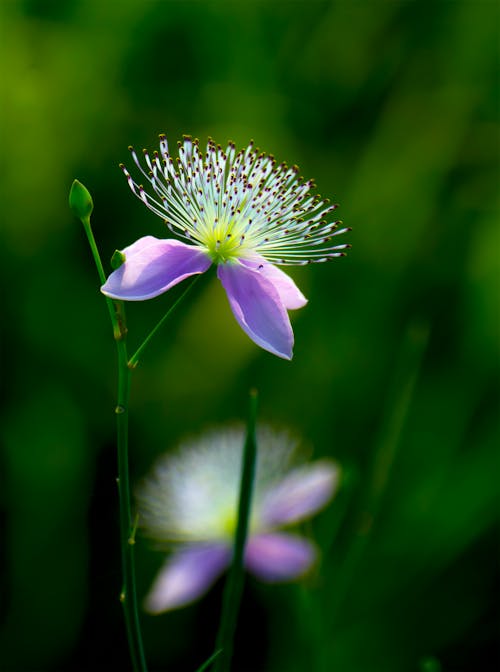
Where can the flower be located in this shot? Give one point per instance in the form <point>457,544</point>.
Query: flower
<point>189,505</point>
<point>243,213</point>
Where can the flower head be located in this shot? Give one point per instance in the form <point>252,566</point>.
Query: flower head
<point>240,211</point>
<point>189,505</point>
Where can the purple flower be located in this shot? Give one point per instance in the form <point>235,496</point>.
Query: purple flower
<point>243,213</point>
<point>189,505</point>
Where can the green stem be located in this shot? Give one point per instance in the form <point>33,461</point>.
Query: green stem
<point>234,585</point>
<point>135,357</point>
<point>128,596</point>
<point>406,374</point>
<point>113,313</point>
<point>209,661</point>
<point>81,203</point>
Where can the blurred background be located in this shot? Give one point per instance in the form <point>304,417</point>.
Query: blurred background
<point>392,108</point>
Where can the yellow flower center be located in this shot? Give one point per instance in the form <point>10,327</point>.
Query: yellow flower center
<point>224,243</point>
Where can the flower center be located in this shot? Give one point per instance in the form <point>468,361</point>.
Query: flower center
<point>228,524</point>
<point>224,243</point>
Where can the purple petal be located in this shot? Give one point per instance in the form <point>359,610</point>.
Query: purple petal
<point>279,557</point>
<point>289,293</point>
<point>258,308</point>
<point>152,266</point>
<point>301,493</point>
<point>186,576</point>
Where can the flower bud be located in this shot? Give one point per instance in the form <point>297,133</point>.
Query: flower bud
<point>80,200</point>
<point>117,259</point>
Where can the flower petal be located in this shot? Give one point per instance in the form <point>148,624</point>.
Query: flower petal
<point>186,576</point>
<point>258,308</point>
<point>278,556</point>
<point>152,266</point>
<point>301,493</point>
<point>290,294</point>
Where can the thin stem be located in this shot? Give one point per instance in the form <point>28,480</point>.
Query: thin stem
<point>135,357</point>
<point>399,401</point>
<point>209,661</point>
<point>128,596</point>
<point>93,247</point>
<point>115,322</point>
<point>80,202</point>
<point>234,585</point>
<point>406,374</point>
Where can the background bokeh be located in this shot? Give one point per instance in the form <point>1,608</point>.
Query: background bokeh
<point>392,108</point>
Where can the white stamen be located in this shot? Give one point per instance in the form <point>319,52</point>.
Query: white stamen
<point>236,204</point>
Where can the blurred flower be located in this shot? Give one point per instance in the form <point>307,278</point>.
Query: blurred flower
<point>240,211</point>
<point>189,504</point>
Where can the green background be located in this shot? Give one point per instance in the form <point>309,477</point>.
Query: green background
<point>391,107</point>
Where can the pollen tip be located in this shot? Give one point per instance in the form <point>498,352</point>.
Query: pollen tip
<point>130,148</point>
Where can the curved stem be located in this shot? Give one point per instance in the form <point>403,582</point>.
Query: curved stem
<point>113,313</point>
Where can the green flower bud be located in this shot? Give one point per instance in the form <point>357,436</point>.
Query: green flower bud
<point>117,259</point>
<point>80,200</point>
